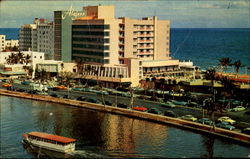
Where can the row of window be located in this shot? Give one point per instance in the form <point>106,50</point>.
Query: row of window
<point>88,59</point>
<point>46,140</point>
<point>87,46</point>
<point>90,33</point>
<point>90,26</point>
<point>91,40</point>
<point>91,53</point>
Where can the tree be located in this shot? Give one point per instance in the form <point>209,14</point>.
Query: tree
<point>154,81</point>
<point>162,82</point>
<point>225,62</point>
<point>237,65</point>
<point>211,75</point>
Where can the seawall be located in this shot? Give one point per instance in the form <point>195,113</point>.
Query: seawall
<point>136,114</point>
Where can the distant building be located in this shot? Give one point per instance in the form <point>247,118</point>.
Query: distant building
<point>26,35</point>
<point>6,44</point>
<point>38,36</point>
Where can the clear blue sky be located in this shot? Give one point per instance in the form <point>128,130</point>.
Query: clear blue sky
<point>182,13</point>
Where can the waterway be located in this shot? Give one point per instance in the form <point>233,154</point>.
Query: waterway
<point>100,134</point>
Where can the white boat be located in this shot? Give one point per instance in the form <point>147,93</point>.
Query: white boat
<point>49,141</point>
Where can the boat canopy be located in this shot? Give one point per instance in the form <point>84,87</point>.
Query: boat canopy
<point>52,137</point>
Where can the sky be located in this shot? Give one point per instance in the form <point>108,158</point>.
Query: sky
<point>181,13</point>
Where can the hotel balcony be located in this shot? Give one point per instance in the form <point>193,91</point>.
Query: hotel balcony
<point>145,41</point>
<point>146,47</point>
<point>146,35</point>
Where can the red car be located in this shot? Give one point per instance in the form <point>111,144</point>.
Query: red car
<point>140,108</point>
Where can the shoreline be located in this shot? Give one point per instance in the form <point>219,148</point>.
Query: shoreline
<point>239,137</point>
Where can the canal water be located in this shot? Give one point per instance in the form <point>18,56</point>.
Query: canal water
<point>100,134</point>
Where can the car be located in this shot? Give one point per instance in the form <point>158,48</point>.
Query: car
<point>61,87</point>
<point>68,97</point>
<point>140,108</point>
<point>179,102</point>
<point>226,119</point>
<point>6,85</point>
<point>93,100</point>
<point>170,114</point>
<point>108,103</point>
<point>247,112</point>
<point>168,104</point>
<point>102,93</point>
<point>154,111</point>
<point>246,131</point>
<point>25,83</point>
<point>225,125</point>
<point>54,95</point>
<point>81,98</point>
<point>192,104</point>
<point>121,105</point>
<point>77,89</point>
<point>188,117</point>
<point>238,108</point>
<point>205,121</point>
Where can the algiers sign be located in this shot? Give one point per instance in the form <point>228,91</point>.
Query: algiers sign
<point>72,13</point>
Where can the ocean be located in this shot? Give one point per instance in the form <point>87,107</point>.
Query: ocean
<point>202,46</point>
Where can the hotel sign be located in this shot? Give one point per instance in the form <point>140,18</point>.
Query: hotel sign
<point>72,13</point>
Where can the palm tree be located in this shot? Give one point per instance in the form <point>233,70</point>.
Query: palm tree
<point>237,65</point>
<point>225,62</point>
<point>20,57</point>
<point>211,75</point>
<point>154,81</point>
<point>162,82</point>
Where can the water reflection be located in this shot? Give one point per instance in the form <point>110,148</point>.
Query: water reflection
<point>103,134</point>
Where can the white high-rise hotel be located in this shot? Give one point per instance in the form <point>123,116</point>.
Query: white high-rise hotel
<point>130,48</point>
<point>38,36</point>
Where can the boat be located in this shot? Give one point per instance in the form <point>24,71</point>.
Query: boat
<point>50,141</point>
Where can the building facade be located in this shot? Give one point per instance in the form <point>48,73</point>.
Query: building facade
<point>2,42</point>
<point>38,37</point>
<point>6,44</point>
<point>62,33</point>
<point>45,40</point>
<point>140,45</point>
<point>25,36</point>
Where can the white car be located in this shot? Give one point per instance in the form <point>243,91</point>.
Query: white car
<point>238,108</point>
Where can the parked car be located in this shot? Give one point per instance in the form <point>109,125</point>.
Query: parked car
<point>25,82</point>
<point>170,114</point>
<point>188,117</point>
<point>246,131</point>
<point>168,104</point>
<point>225,125</point>
<point>102,92</point>
<point>54,95</point>
<point>247,112</point>
<point>108,103</point>
<point>154,111</point>
<point>121,105</point>
<point>93,100</point>
<point>205,121</point>
<point>140,108</point>
<point>61,87</point>
<point>226,119</point>
<point>77,89</point>
<point>179,102</point>
<point>238,108</point>
<point>6,85</point>
<point>81,98</point>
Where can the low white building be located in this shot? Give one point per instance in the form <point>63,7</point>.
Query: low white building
<point>6,43</point>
